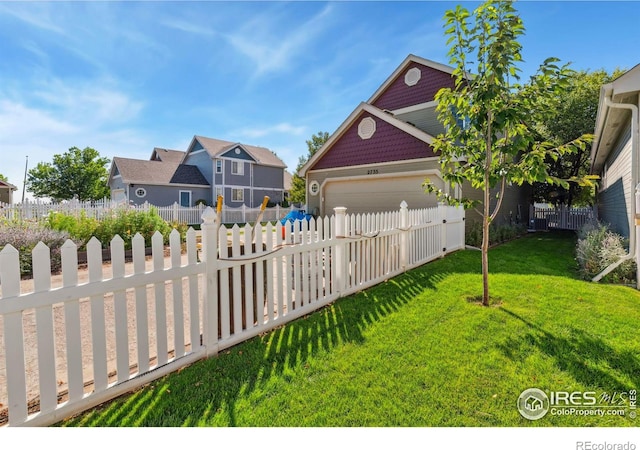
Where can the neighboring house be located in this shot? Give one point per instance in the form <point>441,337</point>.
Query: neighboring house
<point>6,192</point>
<point>161,181</point>
<point>242,174</point>
<point>382,153</point>
<point>615,154</point>
<point>288,179</point>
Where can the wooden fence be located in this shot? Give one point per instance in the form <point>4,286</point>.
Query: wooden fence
<point>561,217</point>
<point>174,213</point>
<point>72,341</point>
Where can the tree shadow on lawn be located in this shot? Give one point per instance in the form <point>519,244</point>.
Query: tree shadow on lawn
<point>198,392</point>
<point>588,359</point>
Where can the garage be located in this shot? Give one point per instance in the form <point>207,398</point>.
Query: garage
<point>378,193</point>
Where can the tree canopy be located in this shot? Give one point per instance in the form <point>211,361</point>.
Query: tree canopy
<point>573,115</point>
<point>298,184</point>
<point>489,115</point>
<point>80,174</point>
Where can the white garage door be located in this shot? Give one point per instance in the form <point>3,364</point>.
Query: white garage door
<point>378,193</point>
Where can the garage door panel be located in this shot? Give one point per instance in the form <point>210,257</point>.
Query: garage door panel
<point>378,194</point>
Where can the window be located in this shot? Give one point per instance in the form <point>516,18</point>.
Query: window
<point>237,195</point>
<point>314,187</point>
<point>141,192</point>
<point>185,198</point>
<point>219,166</point>
<point>237,167</point>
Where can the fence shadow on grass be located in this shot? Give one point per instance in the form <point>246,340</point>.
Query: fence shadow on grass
<point>578,353</point>
<point>195,394</point>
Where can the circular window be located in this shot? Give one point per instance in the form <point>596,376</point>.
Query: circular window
<point>314,188</point>
<point>366,128</point>
<point>412,76</point>
<point>237,151</point>
<point>141,192</point>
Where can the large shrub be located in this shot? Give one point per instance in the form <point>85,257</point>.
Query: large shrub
<point>122,221</point>
<point>597,248</point>
<point>25,235</point>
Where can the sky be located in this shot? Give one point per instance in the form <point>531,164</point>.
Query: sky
<point>125,77</point>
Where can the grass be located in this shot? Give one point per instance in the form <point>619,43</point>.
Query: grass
<point>416,351</point>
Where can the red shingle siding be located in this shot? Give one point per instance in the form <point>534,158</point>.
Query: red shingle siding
<point>386,145</point>
<point>399,95</point>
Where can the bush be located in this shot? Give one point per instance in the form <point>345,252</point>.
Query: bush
<point>123,222</point>
<point>597,248</point>
<point>25,235</point>
<point>497,233</point>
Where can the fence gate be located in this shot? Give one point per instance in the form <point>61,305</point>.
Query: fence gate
<point>561,217</point>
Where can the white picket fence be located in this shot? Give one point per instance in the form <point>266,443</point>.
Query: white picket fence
<point>174,213</point>
<point>561,217</point>
<point>75,340</point>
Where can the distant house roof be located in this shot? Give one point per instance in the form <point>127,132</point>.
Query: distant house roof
<point>216,147</point>
<point>138,171</point>
<point>7,185</point>
<point>167,155</point>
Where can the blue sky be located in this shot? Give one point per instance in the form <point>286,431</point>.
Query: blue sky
<point>125,77</point>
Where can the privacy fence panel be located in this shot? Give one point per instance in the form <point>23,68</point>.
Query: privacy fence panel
<point>73,340</point>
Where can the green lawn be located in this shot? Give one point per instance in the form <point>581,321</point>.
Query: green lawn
<point>415,351</point>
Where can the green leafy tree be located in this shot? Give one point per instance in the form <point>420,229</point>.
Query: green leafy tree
<point>488,116</point>
<point>3,178</point>
<point>298,184</point>
<point>77,173</point>
<point>574,114</point>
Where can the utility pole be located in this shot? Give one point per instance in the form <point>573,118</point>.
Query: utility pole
<point>24,182</point>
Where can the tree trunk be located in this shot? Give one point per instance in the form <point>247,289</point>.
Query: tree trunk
<point>485,249</point>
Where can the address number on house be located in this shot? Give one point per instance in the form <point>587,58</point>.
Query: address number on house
<point>372,172</point>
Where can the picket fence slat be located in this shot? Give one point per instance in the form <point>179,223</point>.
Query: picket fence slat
<point>72,324</point>
<point>141,309</point>
<point>157,249</point>
<point>178,311</point>
<point>98,332</point>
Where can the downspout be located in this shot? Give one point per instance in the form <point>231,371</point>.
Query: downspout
<point>634,182</point>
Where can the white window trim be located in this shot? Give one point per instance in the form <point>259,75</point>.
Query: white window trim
<point>240,165</point>
<point>234,190</point>
<point>219,165</point>
<point>180,197</point>
<point>144,192</point>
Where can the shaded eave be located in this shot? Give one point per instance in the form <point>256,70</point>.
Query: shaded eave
<point>363,107</point>
<point>610,120</point>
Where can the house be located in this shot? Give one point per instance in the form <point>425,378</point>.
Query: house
<point>6,192</point>
<point>382,153</point>
<point>161,181</point>
<point>615,156</point>
<point>242,174</point>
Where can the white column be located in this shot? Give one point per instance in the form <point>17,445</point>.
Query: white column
<point>210,256</point>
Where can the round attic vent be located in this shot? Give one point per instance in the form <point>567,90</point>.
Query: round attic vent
<point>366,128</point>
<point>412,76</point>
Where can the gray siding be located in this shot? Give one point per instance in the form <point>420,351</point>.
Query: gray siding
<point>616,193</point>
<point>237,180</point>
<point>514,208</point>
<point>268,177</point>
<point>203,161</point>
<point>168,195</point>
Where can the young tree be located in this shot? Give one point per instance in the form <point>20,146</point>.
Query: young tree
<point>298,184</point>
<point>488,116</point>
<point>77,173</point>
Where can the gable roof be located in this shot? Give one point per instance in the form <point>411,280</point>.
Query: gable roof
<point>139,171</point>
<point>409,61</point>
<point>6,184</point>
<point>350,121</point>
<point>167,155</point>
<point>216,147</point>
<point>611,121</point>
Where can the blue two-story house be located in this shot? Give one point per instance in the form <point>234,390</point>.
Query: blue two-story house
<point>242,174</point>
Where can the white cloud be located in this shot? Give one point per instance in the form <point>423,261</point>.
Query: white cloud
<point>271,45</point>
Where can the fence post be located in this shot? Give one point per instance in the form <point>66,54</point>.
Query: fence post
<point>404,235</point>
<point>210,256</point>
<point>442,216</point>
<point>341,253</point>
